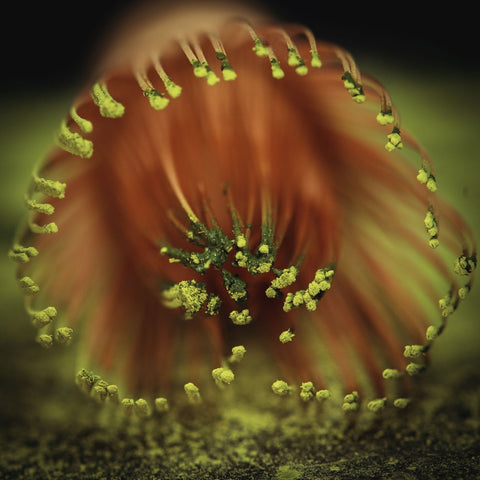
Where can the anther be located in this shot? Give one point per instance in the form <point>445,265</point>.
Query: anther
<point>307,391</point>
<point>350,402</point>
<point>44,208</point>
<point>223,376</point>
<point>21,254</point>
<point>394,140</point>
<point>281,388</point>
<point>51,188</point>
<point>28,286</point>
<point>108,107</point>
<point>43,229</point>
<point>238,353</point>
<point>240,318</point>
<point>286,336</point>
<point>193,393</point>
<point>43,317</point>
<point>161,405</point>
<point>171,87</point>
<point>377,405</point>
<point>142,408</point>
<point>74,143</point>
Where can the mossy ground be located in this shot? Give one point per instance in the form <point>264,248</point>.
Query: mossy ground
<point>49,430</point>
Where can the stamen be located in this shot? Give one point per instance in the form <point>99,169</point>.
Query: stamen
<point>157,100</point>
<point>240,318</point>
<point>108,107</point>
<point>323,395</point>
<point>142,408</point>
<point>161,405</point>
<point>286,336</point>
<point>394,140</point>
<point>238,353</point>
<point>281,388</point>
<point>22,254</point>
<point>73,142</point>
<point>211,77</point>
<point>85,125</point>
<point>307,391</point>
<point>42,229</point>
<point>377,405</point>
<point>43,317</point>
<point>44,208</point>
<point>294,58</point>
<point>193,393</point>
<point>28,286</point>
<point>199,70</point>
<point>171,87</point>
<point>51,188</point>
<point>228,72</point>
<point>223,376</point>
<point>350,402</point>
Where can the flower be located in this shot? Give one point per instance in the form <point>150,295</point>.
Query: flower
<point>229,184</point>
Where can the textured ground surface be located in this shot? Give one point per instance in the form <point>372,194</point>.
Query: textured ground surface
<point>48,430</point>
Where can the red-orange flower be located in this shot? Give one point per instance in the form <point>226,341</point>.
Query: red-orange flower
<point>228,182</point>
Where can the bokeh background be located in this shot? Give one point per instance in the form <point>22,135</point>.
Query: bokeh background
<point>429,62</point>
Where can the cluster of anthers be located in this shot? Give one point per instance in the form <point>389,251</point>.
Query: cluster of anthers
<point>214,248</point>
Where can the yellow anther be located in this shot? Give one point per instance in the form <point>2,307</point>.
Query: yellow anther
<point>193,393</point>
<point>394,141</point>
<point>46,341</point>
<point>73,142</point>
<point>112,394</point>
<point>385,118</point>
<point>432,333</point>
<point>223,376</point>
<point>21,254</point>
<point>350,402</point>
<point>128,406</point>
<point>323,395</point>
<point>315,62</point>
<point>99,391</point>
<point>44,208</point>
<point>63,335</point>
<point>241,242</point>
<point>172,88</point>
<point>401,402</point>
<point>281,388</point>
<point>157,100</point>
<point>391,373</point>
<point>264,249</point>
<point>422,176</point>
<point>240,318</point>
<point>28,286</point>
<point>431,184</point>
<point>108,107</point>
<point>286,336</point>
<point>41,229</point>
<point>377,405</point>
<point>413,351</point>
<point>161,405</point>
<point>414,368</point>
<point>463,291</point>
<point>43,317</point>
<point>51,188</point>
<point>142,408</point>
<point>307,391</point>
<point>238,353</point>
<point>259,48</point>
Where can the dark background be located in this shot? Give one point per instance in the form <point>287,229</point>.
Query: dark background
<point>48,46</point>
